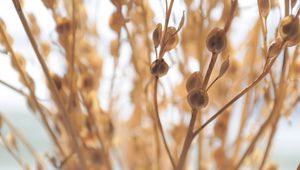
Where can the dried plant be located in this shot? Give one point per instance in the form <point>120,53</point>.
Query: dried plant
<point>262,73</point>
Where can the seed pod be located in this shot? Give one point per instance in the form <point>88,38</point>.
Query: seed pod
<point>171,38</point>
<point>156,36</point>
<point>159,68</point>
<point>194,81</point>
<point>116,21</point>
<point>197,98</point>
<point>274,48</point>
<point>264,7</point>
<point>289,30</point>
<point>216,40</point>
<point>63,26</point>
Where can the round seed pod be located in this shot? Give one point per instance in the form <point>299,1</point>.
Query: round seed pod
<point>194,81</point>
<point>216,40</point>
<point>197,98</point>
<point>159,68</point>
<point>289,30</point>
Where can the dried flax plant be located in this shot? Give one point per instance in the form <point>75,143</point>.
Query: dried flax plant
<point>262,73</point>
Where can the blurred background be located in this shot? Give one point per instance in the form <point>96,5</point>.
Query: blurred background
<point>286,146</point>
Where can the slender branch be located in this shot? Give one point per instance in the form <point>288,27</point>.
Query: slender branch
<point>160,128</point>
<point>260,77</point>
<point>210,69</point>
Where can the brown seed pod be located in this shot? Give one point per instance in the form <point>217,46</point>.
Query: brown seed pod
<point>116,21</point>
<point>156,36</point>
<point>216,40</point>
<point>171,38</point>
<point>159,68</point>
<point>264,7</point>
<point>197,98</point>
<point>63,26</point>
<point>194,81</point>
<point>289,30</point>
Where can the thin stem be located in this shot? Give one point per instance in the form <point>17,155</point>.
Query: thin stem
<point>160,128</point>
<point>72,58</point>
<point>210,69</point>
<point>234,4</point>
<point>53,88</point>
<point>188,141</point>
<point>260,77</point>
<point>270,140</point>
<point>279,100</point>
<point>212,83</point>
<point>169,10</point>
<point>14,88</point>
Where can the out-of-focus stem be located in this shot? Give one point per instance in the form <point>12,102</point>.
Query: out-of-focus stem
<point>53,88</point>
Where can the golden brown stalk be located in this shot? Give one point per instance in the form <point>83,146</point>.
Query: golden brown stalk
<point>53,88</point>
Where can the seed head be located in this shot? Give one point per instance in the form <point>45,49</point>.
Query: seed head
<point>197,98</point>
<point>159,68</point>
<point>194,81</point>
<point>216,40</point>
<point>171,38</point>
<point>289,30</point>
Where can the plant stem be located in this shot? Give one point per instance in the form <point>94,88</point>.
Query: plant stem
<point>210,69</point>
<point>160,128</point>
<point>53,88</point>
<point>188,141</point>
<point>239,95</point>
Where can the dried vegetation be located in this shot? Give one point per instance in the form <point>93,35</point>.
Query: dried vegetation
<point>262,73</point>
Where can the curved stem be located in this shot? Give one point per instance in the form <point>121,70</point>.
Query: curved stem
<point>159,122</point>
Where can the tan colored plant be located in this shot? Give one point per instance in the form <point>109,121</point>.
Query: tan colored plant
<point>88,136</point>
